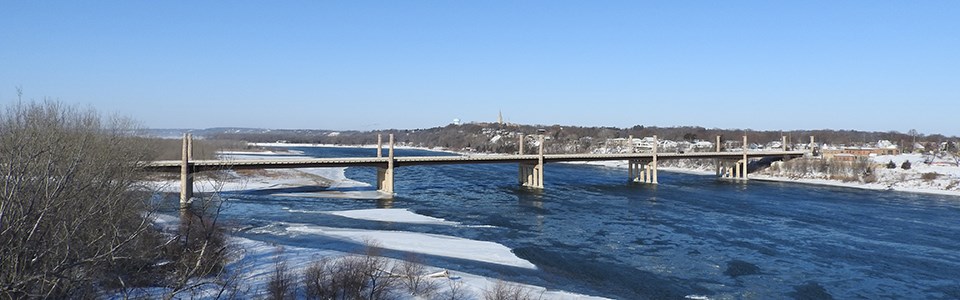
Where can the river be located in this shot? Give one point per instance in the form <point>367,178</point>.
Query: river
<point>591,232</point>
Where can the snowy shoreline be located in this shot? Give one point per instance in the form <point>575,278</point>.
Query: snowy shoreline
<point>889,181</point>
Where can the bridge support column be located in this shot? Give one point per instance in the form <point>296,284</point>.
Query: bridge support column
<point>745,161</point>
<point>379,145</point>
<point>813,147</point>
<point>643,171</point>
<point>520,145</point>
<point>784,138</point>
<point>736,170</point>
<point>732,169</point>
<point>186,171</point>
<point>653,164</point>
<point>716,161</point>
<point>385,175</point>
<point>531,175</point>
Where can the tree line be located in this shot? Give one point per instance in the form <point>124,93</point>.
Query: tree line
<point>568,139</point>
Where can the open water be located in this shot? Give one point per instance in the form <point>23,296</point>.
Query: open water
<point>590,231</point>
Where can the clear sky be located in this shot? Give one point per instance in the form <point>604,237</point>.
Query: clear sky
<point>867,65</point>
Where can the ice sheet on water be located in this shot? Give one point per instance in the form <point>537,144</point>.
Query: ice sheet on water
<point>424,243</point>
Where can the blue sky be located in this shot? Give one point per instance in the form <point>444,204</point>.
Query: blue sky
<point>778,65</point>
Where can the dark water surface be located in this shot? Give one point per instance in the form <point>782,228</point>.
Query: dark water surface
<point>589,231</point>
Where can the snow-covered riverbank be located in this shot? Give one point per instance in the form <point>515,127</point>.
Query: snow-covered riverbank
<point>945,182</point>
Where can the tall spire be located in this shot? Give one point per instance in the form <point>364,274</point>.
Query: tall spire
<point>500,118</point>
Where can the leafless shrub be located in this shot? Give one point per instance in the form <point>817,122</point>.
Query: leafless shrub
<point>503,290</point>
<point>74,220</point>
<point>71,218</point>
<point>282,284</point>
<point>199,247</point>
<point>870,178</point>
<point>413,274</point>
<point>375,269</point>
<point>362,276</point>
<point>455,291</point>
<point>319,281</point>
<point>929,176</point>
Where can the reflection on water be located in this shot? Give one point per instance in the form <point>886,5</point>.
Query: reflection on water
<point>591,231</point>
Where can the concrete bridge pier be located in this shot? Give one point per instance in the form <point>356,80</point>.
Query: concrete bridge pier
<point>731,169</point>
<point>385,175</point>
<point>643,171</point>
<point>379,145</point>
<point>744,161</point>
<point>186,171</point>
<point>716,161</point>
<point>653,165</point>
<point>531,175</point>
<point>520,145</point>
<point>734,169</point>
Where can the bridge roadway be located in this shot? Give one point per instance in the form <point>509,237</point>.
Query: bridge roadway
<point>212,165</point>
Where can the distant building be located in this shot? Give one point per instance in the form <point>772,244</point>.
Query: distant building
<point>882,147</point>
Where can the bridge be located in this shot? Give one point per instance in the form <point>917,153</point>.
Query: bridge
<point>642,165</point>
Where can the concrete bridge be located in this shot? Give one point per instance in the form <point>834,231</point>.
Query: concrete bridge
<point>642,166</point>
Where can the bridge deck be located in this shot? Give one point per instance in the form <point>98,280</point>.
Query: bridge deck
<point>208,165</point>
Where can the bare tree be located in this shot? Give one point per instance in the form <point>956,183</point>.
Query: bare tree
<point>75,218</point>
<point>455,291</point>
<point>282,284</point>
<point>413,272</point>
<point>198,249</point>
<point>72,215</point>
<point>319,281</point>
<point>375,269</point>
<point>503,290</point>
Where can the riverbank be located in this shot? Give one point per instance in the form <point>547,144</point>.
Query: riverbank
<point>946,182</point>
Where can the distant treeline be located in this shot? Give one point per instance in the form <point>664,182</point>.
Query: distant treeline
<point>171,149</point>
<point>479,136</point>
